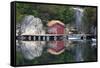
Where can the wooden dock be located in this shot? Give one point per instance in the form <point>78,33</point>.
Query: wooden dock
<point>54,37</point>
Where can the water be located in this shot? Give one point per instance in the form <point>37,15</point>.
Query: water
<point>78,21</point>
<point>73,51</point>
<point>44,52</point>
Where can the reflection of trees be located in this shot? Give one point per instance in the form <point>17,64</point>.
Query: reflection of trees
<point>81,50</point>
<point>76,50</point>
<point>31,49</point>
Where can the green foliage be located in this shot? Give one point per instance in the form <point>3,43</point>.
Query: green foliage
<point>46,58</point>
<point>68,57</point>
<point>66,14</point>
<point>24,9</point>
<point>45,12</point>
<point>90,14</point>
<point>89,18</point>
<point>19,58</point>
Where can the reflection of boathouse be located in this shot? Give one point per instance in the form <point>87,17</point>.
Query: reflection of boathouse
<point>56,27</point>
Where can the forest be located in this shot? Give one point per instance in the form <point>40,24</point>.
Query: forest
<point>64,13</point>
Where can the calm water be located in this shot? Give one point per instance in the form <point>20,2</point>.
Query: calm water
<point>36,52</point>
<point>42,52</point>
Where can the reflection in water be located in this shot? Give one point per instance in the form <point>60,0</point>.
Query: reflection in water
<point>79,52</point>
<point>54,51</point>
<point>31,49</point>
<point>56,47</point>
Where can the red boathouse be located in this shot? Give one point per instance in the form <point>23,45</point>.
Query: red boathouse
<point>56,27</point>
